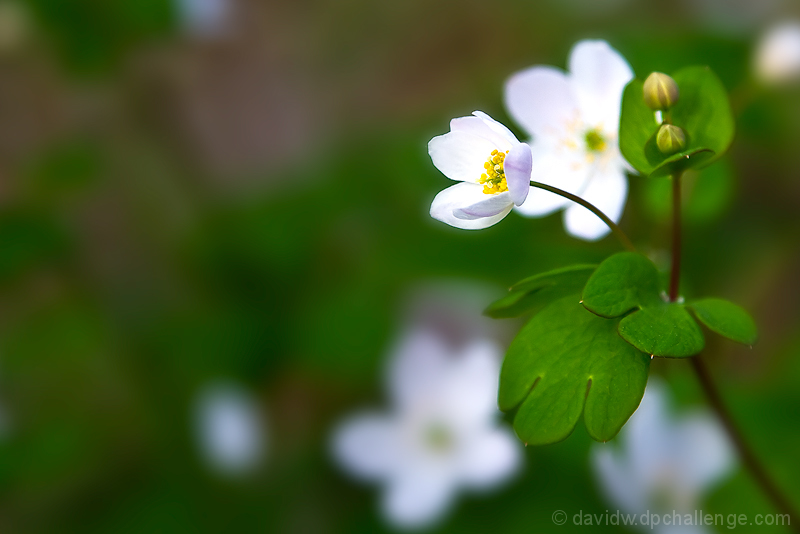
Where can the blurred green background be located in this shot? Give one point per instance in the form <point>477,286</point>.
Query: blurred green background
<point>180,206</point>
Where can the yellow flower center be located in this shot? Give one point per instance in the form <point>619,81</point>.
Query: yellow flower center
<point>594,141</point>
<point>494,179</point>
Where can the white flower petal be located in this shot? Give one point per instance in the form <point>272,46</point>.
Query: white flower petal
<point>469,389</point>
<point>778,54</point>
<point>418,497</point>
<point>497,128</point>
<point>417,367</point>
<point>607,192</point>
<point>618,481</point>
<point>487,129</point>
<point>706,453</point>
<point>230,429</point>
<point>366,446</point>
<point>599,74</point>
<point>460,154</point>
<point>467,195</point>
<point>560,167</point>
<point>491,458</point>
<point>517,167</point>
<point>542,100</point>
<point>485,206</point>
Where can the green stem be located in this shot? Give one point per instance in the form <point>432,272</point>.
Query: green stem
<point>578,200</point>
<point>675,272</point>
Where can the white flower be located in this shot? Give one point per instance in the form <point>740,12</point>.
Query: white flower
<point>441,436</point>
<point>204,17</point>
<point>493,166</point>
<point>777,57</point>
<point>230,429</point>
<point>664,465</point>
<point>574,120</point>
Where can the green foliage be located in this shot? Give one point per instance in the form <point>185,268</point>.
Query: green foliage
<point>663,329</point>
<point>706,194</point>
<point>726,319</point>
<point>703,112</point>
<point>629,281</point>
<point>567,361</point>
<point>535,292</point>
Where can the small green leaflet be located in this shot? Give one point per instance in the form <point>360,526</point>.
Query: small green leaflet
<point>703,111</point>
<point>726,319</point>
<point>627,285</point>
<point>567,361</point>
<point>533,293</point>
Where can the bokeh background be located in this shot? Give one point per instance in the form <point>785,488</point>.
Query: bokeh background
<point>236,192</point>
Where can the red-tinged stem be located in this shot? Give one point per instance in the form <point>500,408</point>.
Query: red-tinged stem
<point>675,273</point>
<point>747,455</point>
<point>578,200</point>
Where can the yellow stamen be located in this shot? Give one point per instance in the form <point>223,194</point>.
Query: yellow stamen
<point>595,141</point>
<point>494,180</point>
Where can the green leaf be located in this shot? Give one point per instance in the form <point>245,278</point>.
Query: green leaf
<point>535,292</point>
<point>621,283</point>
<point>664,330</point>
<point>706,194</point>
<point>629,281</point>
<point>703,111</point>
<point>567,361</point>
<point>726,319</point>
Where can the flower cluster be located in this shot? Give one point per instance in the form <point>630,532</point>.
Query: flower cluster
<point>573,119</point>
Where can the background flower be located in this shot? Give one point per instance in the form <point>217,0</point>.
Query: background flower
<point>230,429</point>
<point>442,434</point>
<point>665,464</point>
<point>574,120</point>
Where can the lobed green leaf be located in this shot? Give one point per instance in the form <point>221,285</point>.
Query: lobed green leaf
<point>629,282</point>
<point>535,292</point>
<point>567,361</point>
<point>664,330</point>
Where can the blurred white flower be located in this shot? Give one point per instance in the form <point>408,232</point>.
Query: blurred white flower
<point>441,436</point>
<point>493,166</point>
<point>204,17</point>
<point>230,429</point>
<point>777,58</point>
<point>574,120</point>
<point>664,465</point>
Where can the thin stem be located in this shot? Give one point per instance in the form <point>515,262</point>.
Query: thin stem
<point>614,228</point>
<point>745,452</point>
<point>675,272</point>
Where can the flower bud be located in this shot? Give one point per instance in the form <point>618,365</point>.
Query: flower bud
<point>660,91</point>
<point>670,139</point>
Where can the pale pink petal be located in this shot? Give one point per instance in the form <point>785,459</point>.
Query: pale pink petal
<point>542,101</point>
<point>607,191</point>
<point>599,74</point>
<point>517,167</point>
<point>486,206</point>
<point>459,196</point>
<point>460,155</point>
